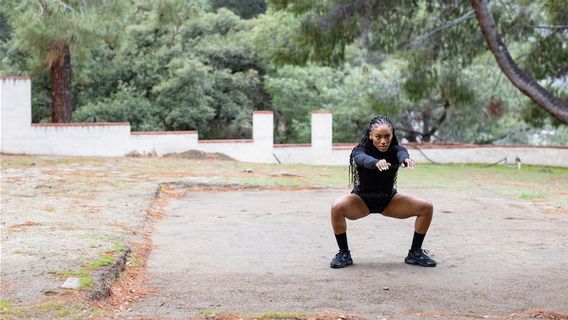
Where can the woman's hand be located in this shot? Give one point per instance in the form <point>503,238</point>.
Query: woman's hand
<point>409,163</point>
<point>383,165</point>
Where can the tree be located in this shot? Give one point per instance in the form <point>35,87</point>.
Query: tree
<point>437,40</point>
<point>524,82</point>
<point>433,38</point>
<point>53,31</point>
<point>5,30</point>
<point>246,9</point>
<point>176,67</point>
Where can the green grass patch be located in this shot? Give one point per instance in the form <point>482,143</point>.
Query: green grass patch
<point>64,274</point>
<point>119,246</point>
<point>84,278</point>
<point>18,161</point>
<point>210,312</point>
<point>98,313</point>
<point>86,281</point>
<point>459,176</point>
<point>294,175</point>
<point>284,315</point>
<point>273,182</point>
<point>102,261</point>
<point>7,310</point>
<point>59,309</point>
<point>530,196</point>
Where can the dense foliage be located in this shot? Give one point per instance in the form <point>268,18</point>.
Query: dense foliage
<point>206,65</point>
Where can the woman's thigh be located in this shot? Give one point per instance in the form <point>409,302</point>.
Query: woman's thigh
<point>404,206</point>
<point>351,206</point>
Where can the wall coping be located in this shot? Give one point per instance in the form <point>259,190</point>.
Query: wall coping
<point>344,146</point>
<point>263,112</point>
<point>476,146</point>
<point>82,124</point>
<point>293,145</point>
<point>151,133</point>
<point>14,78</point>
<point>321,111</point>
<point>226,141</point>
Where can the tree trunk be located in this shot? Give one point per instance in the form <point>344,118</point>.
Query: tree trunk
<point>409,133</point>
<point>426,124</point>
<point>525,83</point>
<point>61,94</point>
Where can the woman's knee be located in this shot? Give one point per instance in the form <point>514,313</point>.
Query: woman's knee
<point>337,208</point>
<point>427,209</point>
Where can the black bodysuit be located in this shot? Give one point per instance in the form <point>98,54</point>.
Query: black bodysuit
<point>375,187</point>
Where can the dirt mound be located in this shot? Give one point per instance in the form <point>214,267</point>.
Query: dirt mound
<point>199,155</point>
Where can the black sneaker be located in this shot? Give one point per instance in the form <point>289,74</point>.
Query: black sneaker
<point>341,259</point>
<point>419,257</point>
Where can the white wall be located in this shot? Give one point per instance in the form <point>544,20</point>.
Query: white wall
<point>91,139</point>
<point>263,137</point>
<point>322,136</point>
<point>15,113</point>
<point>294,153</point>
<point>162,142</point>
<point>18,135</point>
<point>549,156</point>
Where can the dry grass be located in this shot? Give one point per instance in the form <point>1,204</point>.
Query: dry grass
<point>23,226</point>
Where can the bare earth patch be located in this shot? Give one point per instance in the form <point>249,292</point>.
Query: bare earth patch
<point>62,215</point>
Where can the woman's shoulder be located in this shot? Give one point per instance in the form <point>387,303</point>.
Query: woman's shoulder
<point>358,148</point>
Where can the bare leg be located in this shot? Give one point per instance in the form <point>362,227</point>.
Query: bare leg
<point>350,207</point>
<point>404,206</point>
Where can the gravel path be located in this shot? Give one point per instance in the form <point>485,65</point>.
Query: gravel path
<point>254,252</point>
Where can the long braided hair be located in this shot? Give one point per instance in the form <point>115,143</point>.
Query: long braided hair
<point>366,143</point>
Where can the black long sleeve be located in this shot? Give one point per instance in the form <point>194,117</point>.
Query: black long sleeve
<point>370,178</point>
<point>401,154</point>
<point>363,159</point>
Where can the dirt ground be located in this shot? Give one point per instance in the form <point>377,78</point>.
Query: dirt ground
<point>204,246</point>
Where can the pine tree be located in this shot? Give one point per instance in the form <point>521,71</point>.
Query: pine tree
<point>54,32</point>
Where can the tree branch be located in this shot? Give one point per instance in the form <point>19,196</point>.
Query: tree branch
<point>558,27</point>
<point>40,4</point>
<point>525,83</point>
<point>441,119</point>
<point>504,136</point>
<point>418,40</point>
<point>68,7</point>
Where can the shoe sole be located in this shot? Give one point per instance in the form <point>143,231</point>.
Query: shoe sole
<point>416,262</point>
<point>339,267</point>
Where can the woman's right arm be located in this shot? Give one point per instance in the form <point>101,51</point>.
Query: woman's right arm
<point>363,159</point>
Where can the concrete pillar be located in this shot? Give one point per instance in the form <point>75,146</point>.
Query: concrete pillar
<point>15,112</point>
<point>263,135</point>
<point>322,136</point>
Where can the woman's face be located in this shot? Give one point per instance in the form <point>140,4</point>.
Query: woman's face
<point>381,135</point>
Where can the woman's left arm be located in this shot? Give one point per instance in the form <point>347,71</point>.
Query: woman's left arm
<point>404,158</point>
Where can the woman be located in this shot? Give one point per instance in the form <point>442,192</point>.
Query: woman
<point>373,167</point>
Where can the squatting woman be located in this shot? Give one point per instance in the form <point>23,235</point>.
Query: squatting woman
<point>373,167</point>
